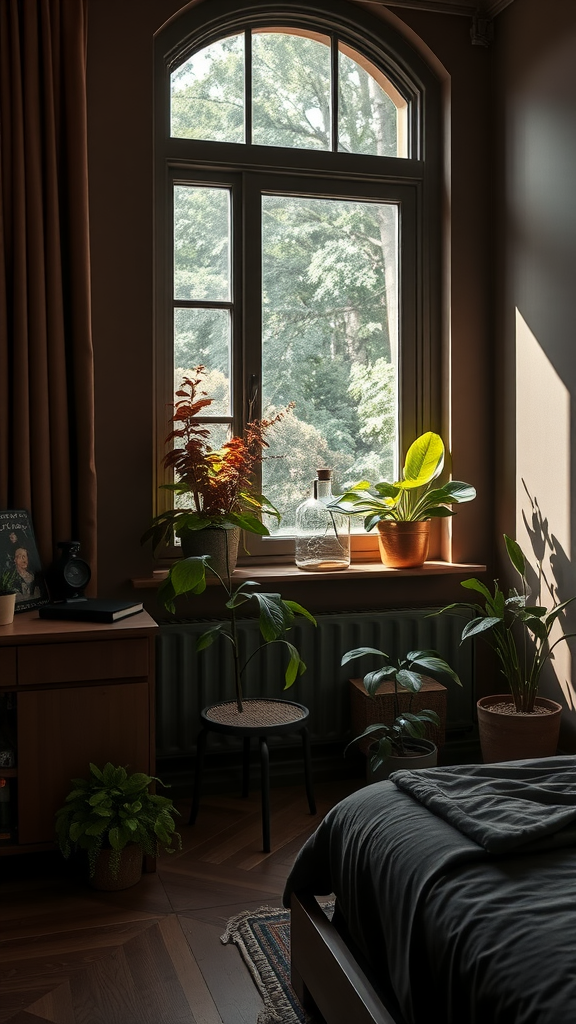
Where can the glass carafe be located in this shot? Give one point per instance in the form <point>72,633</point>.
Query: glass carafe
<point>322,534</point>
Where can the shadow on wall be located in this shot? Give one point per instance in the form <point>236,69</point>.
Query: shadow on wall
<point>549,584</point>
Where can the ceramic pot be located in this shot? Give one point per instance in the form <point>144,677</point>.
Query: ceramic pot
<point>422,754</point>
<point>511,736</point>
<point>7,604</point>
<point>403,545</point>
<point>213,541</point>
<point>129,870</point>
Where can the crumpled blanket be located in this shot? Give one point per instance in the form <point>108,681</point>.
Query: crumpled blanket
<point>502,807</point>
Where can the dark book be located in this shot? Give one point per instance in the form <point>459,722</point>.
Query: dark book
<point>90,609</point>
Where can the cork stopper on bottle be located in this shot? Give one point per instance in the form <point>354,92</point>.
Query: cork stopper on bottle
<point>324,474</point>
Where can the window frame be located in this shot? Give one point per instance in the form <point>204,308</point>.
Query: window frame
<point>414,181</point>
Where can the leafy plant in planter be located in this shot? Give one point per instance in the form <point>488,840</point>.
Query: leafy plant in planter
<point>217,485</point>
<point>413,498</point>
<point>8,582</point>
<point>112,808</point>
<point>407,675</point>
<point>518,632</point>
<point>275,616</point>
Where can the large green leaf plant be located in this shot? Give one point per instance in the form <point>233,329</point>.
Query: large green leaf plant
<point>407,675</point>
<point>112,808</point>
<point>517,631</point>
<point>187,576</point>
<point>413,498</point>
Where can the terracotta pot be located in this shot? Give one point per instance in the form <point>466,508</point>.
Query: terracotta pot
<point>513,736</point>
<point>7,604</point>
<point>403,545</point>
<point>129,870</point>
<point>212,541</point>
<point>423,754</point>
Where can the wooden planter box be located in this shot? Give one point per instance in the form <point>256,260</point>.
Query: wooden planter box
<point>367,710</point>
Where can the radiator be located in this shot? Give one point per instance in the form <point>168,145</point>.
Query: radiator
<point>187,680</point>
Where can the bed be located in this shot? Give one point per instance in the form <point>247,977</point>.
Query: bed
<point>455,899</point>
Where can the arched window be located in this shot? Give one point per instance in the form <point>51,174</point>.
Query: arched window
<point>298,251</point>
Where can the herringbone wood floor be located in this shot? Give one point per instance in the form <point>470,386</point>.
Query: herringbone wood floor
<point>151,954</point>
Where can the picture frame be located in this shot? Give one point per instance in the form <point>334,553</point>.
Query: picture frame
<point>20,566</point>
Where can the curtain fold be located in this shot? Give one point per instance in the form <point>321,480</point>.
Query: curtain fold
<point>46,359</point>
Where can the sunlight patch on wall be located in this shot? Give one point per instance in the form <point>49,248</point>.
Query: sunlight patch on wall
<point>543,480</point>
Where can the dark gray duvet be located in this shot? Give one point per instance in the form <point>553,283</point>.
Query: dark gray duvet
<point>459,887</point>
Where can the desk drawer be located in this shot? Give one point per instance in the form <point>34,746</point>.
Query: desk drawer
<point>7,666</point>
<point>83,662</point>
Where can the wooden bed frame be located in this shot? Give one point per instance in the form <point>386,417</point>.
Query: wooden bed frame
<point>325,975</point>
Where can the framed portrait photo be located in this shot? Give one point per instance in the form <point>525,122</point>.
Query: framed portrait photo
<point>20,568</point>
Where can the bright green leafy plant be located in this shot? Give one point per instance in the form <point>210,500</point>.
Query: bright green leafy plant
<point>413,498</point>
<point>275,616</point>
<point>518,632</point>
<point>408,676</point>
<point>112,808</point>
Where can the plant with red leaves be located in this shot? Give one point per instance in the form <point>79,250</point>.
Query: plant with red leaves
<point>219,483</point>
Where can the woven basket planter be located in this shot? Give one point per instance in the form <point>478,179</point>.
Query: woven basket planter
<point>367,710</point>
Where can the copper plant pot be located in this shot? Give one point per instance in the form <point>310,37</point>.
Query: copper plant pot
<point>512,736</point>
<point>403,545</point>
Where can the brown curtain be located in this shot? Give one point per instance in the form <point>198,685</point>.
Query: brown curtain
<point>46,359</point>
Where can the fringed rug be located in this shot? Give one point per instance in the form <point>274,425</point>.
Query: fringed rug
<point>263,938</point>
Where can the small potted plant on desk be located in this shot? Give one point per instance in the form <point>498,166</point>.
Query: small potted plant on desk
<point>519,724</point>
<point>114,817</point>
<point>8,592</point>
<point>402,511</point>
<point>401,742</point>
<point>214,488</point>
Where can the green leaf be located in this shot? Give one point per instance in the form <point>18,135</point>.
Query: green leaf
<point>424,460</point>
<point>515,555</point>
<point>299,610</point>
<point>207,639</point>
<point>474,584</point>
<point>372,680</point>
<point>295,666</point>
<point>432,664</point>
<point>386,490</point>
<point>480,625</point>
<point>359,652</point>
<point>275,616</point>
<point>409,680</point>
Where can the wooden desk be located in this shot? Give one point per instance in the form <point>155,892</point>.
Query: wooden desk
<point>84,692</point>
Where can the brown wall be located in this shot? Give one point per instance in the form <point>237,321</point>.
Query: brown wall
<point>535,55</point>
<point>120,62</point>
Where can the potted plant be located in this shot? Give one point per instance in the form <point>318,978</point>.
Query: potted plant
<point>402,511</point>
<point>214,487</point>
<point>114,817</point>
<point>8,590</point>
<point>275,616</point>
<point>519,724</point>
<point>402,743</point>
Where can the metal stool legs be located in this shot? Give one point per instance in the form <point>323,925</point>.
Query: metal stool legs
<point>200,748</point>
<point>308,770</point>
<point>265,788</point>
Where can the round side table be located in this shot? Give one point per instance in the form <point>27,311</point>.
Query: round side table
<point>260,717</point>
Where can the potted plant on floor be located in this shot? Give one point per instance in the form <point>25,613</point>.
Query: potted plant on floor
<point>519,724</point>
<point>114,817</point>
<point>402,511</point>
<point>402,743</point>
<point>214,488</point>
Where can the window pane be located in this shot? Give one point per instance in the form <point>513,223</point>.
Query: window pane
<point>290,90</point>
<point>329,343</point>
<point>207,93</point>
<point>202,337</point>
<point>372,114</point>
<point>201,243</point>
